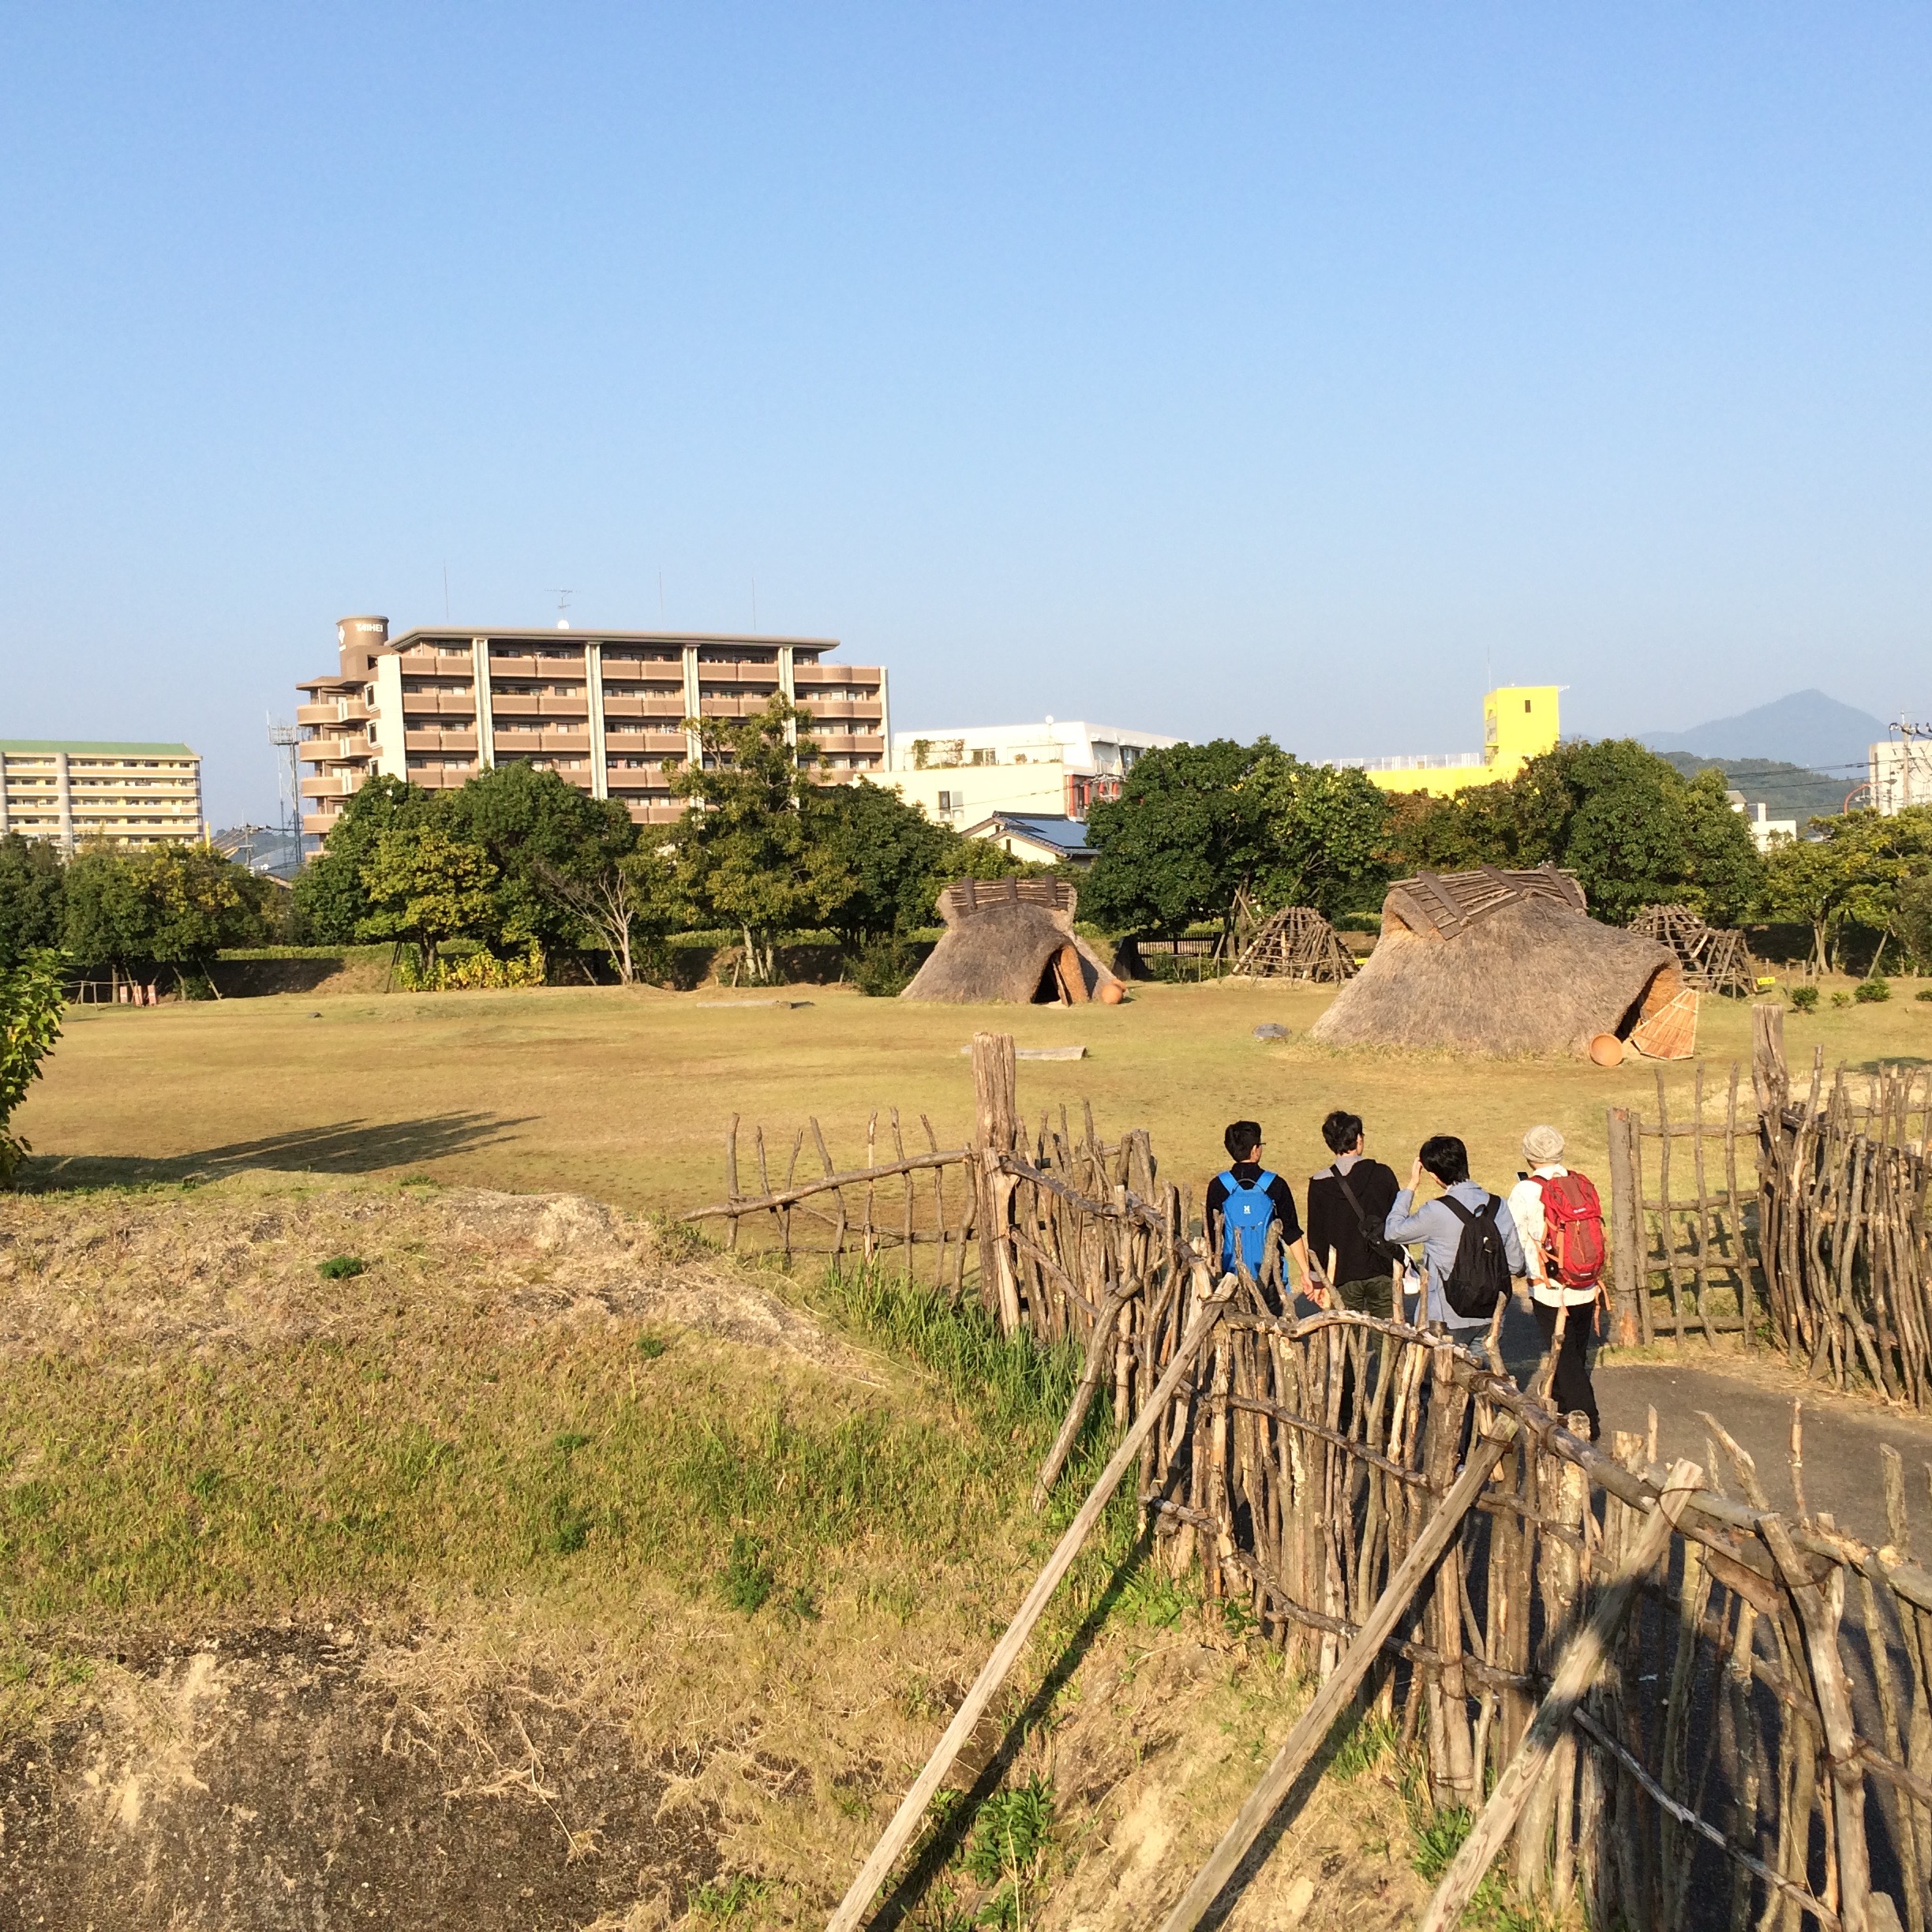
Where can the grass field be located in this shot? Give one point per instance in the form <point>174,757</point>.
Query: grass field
<point>624,1095</point>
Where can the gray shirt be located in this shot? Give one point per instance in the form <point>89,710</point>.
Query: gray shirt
<point>1440,1232</point>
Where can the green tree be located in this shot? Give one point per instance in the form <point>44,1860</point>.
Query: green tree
<point>557,852</point>
<point>1861,870</point>
<point>897,859</point>
<point>175,906</point>
<point>331,902</point>
<point>31,1001</point>
<point>32,896</point>
<point>752,850</point>
<point>1633,830</point>
<point>1325,827</point>
<point>424,889</point>
<point>1190,828</point>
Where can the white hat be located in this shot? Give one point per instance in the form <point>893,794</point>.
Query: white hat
<point>1542,1145</point>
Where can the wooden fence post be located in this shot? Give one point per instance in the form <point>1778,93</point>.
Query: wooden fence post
<point>1626,1280</point>
<point>996,1128</point>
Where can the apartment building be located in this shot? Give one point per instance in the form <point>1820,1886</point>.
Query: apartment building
<point>605,710</point>
<point>1054,769</point>
<point>137,795</point>
<point>1520,722</point>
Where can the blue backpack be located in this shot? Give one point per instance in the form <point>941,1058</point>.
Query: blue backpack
<point>1246,1216</point>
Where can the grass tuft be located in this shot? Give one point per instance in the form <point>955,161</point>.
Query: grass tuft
<point>341,1267</point>
<point>748,1579</point>
<point>719,1901</point>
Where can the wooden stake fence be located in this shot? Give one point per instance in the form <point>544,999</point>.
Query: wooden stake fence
<point>1760,1732</point>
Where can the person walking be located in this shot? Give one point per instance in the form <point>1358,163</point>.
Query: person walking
<point>1469,1245</point>
<point>1246,1206</point>
<point>1559,1219</point>
<point>1348,1204</point>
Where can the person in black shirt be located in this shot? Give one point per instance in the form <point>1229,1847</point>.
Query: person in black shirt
<point>1252,1230</point>
<point>1363,1264</point>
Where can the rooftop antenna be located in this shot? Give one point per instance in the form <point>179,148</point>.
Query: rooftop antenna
<point>563,598</point>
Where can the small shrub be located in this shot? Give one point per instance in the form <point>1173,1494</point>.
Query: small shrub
<point>1926,994</point>
<point>1871,992</point>
<point>1010,1837</point>
<point>1239,1618</point>
<point>1805,998</point>
<point>1439,1838</point>
<point>1841,999</point>
<point>748,1580</point>
<point>883,968</point>
<point>341,1267</point>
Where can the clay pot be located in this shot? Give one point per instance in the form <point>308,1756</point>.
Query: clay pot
<point>1607,1051</point>
<point>1112,992</point>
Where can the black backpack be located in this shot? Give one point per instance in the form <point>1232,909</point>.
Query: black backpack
<point>1479,1278</point>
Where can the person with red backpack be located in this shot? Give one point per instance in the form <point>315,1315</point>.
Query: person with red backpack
<point>1560,1218</point>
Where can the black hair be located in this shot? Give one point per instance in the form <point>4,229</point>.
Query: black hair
<point>1446,1158</point>
<point>1341,1129</point>
<point>1242,1138</point>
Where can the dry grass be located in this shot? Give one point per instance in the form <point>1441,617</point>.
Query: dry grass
<point>624,1096</point>
<point>574,1551</point>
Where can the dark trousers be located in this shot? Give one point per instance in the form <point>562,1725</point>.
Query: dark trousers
<point>1571,1389</point>
<point>1366,1297</point>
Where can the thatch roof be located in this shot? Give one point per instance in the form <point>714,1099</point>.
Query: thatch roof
<point>1496,962</point>
<point>1011,940</point>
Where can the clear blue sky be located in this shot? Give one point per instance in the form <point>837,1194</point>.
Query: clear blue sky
<point>1206,369</point>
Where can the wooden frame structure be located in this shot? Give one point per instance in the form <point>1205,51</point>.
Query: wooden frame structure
<point>1296,943</point>
<point>1713,959</point>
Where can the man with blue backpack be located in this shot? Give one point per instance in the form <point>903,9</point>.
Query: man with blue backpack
<point>1251,1208</point>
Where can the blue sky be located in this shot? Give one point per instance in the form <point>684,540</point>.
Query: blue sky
<point>1212,370</point>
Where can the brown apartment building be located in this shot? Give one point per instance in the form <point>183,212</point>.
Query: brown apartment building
<point>70,790</point>
<point>605,710</point>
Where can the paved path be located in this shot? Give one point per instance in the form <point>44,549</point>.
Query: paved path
<point>1842,1434</point>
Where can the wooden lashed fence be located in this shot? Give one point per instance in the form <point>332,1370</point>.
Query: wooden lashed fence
<point>1846,1232</point>
<point>1756,1749</point>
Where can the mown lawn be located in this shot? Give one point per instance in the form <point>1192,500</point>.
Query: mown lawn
<point>624,1095</point>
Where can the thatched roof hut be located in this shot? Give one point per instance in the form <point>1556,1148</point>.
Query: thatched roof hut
<point>1012,940</point>
<point>1493,962</point>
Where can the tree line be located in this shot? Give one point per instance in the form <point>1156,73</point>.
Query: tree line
<point>1198,826</point>
<point>517,865</point>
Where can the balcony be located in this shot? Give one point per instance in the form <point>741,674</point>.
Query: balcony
<point>331,750</point>
<point>342,784</point>
<point>845,742</point>
<point>334,711</point>
<point>866,676</point>
<point>644,704</point>
<point>549,706</point>
<point>865,714</point>
<point>514,704</point>
<point>512,663</point>
<point>452,741</point>
<point>563,741</point>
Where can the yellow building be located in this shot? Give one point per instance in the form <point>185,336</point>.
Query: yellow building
<point>1519,723</point>
<point>71,791</point>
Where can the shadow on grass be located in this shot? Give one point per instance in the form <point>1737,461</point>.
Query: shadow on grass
<point>935,1851</point>
<point>347,1147</point>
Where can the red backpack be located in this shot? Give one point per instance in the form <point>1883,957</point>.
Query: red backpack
<point>1573,1230</point>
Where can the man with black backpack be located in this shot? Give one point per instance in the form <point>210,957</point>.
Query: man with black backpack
<point>1347,1205</point>
<point>1469,1244</point>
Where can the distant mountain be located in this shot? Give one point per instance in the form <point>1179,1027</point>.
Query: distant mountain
<point>1807,728</point>
<point>1788,790</point>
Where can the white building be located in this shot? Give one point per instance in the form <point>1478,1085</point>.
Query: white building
<point>1766,831</point>
<point>1901,769</point>
<point>1057,768</point>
